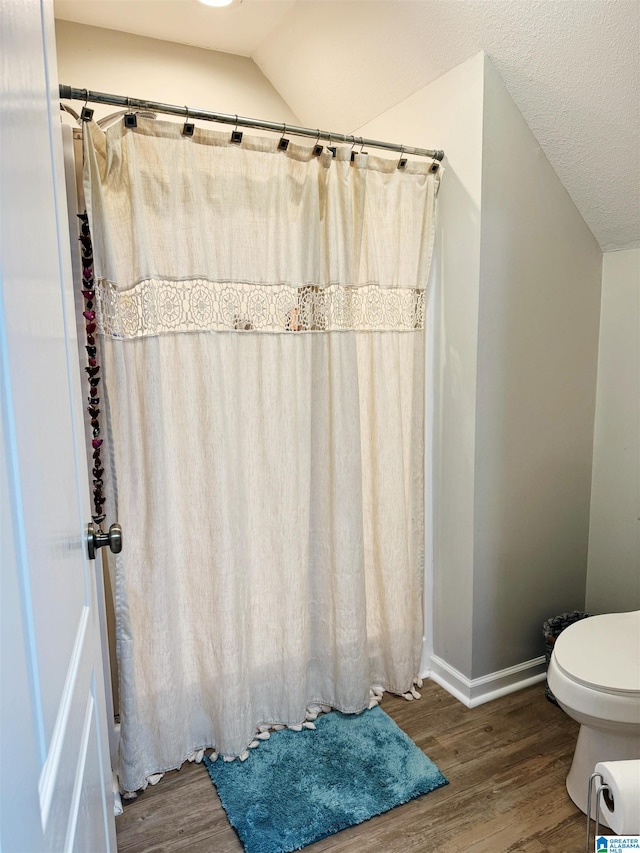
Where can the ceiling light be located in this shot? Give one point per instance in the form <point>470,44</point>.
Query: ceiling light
<point>219,3</point>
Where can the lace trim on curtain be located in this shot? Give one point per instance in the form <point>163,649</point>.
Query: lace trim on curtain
<point>156,306</point>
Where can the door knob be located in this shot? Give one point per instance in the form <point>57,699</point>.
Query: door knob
<point>97,539</point>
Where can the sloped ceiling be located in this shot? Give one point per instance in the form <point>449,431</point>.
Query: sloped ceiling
<point>572,66</point>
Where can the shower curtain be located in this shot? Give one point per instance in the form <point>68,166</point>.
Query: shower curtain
<point>260,315</point>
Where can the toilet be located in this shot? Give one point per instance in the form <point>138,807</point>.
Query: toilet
<point>594,674</point>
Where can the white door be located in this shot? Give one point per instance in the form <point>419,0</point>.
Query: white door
<point>55,772</point>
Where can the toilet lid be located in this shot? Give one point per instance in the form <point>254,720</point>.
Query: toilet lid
<point>602,652</point>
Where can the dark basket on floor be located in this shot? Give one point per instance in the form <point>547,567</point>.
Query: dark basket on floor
<point>551,630</point>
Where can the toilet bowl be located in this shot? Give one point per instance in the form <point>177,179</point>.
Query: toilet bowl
<point>594,674</point>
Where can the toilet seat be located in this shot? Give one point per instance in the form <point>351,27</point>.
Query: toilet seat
<point>590,653</point>
<point>594,674</point>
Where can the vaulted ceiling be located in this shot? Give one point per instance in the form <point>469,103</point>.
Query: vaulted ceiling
<point>572,66</point>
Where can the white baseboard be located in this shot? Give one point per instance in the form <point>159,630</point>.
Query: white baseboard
<point>477,691</point>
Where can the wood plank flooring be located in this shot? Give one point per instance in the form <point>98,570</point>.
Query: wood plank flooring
<point>506,763</point>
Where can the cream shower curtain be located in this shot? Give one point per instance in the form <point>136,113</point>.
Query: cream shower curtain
<point>261,323</point>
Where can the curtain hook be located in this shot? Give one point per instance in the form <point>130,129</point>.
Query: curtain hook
<point>236,135</point>
<point>353,145</point>
<point>130,119</point>
<point>284,143</point>
<point>317,148</point>
<point>402,162</point>
<point>362,145</point>
<point>331,147</point>
<point>86,114</point>
<point>188,128</point>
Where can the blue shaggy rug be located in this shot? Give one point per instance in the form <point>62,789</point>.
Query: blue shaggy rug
<point>299,787</point>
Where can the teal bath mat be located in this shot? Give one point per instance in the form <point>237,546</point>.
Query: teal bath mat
<point>299,787</point>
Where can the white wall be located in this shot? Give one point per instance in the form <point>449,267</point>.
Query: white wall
<point>516,304</point>
<point>448,114</point>
<point>124,64</point>
<point>537,356</point>
<point>613,578</point>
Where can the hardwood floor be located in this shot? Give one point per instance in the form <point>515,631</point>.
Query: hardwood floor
<point>506,763</point>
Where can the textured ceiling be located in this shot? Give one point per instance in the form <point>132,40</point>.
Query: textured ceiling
<point>572,66</point>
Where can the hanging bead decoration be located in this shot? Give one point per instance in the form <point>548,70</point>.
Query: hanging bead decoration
<point>93,368</point>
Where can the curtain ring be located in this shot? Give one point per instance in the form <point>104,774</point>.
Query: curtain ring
<point>130,119</point>
<point>86,114</point>
<point>236,135</point>
<point>188,128</point>
<point>284,143</point>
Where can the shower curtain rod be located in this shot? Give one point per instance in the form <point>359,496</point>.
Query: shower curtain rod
<point>69,93</point>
